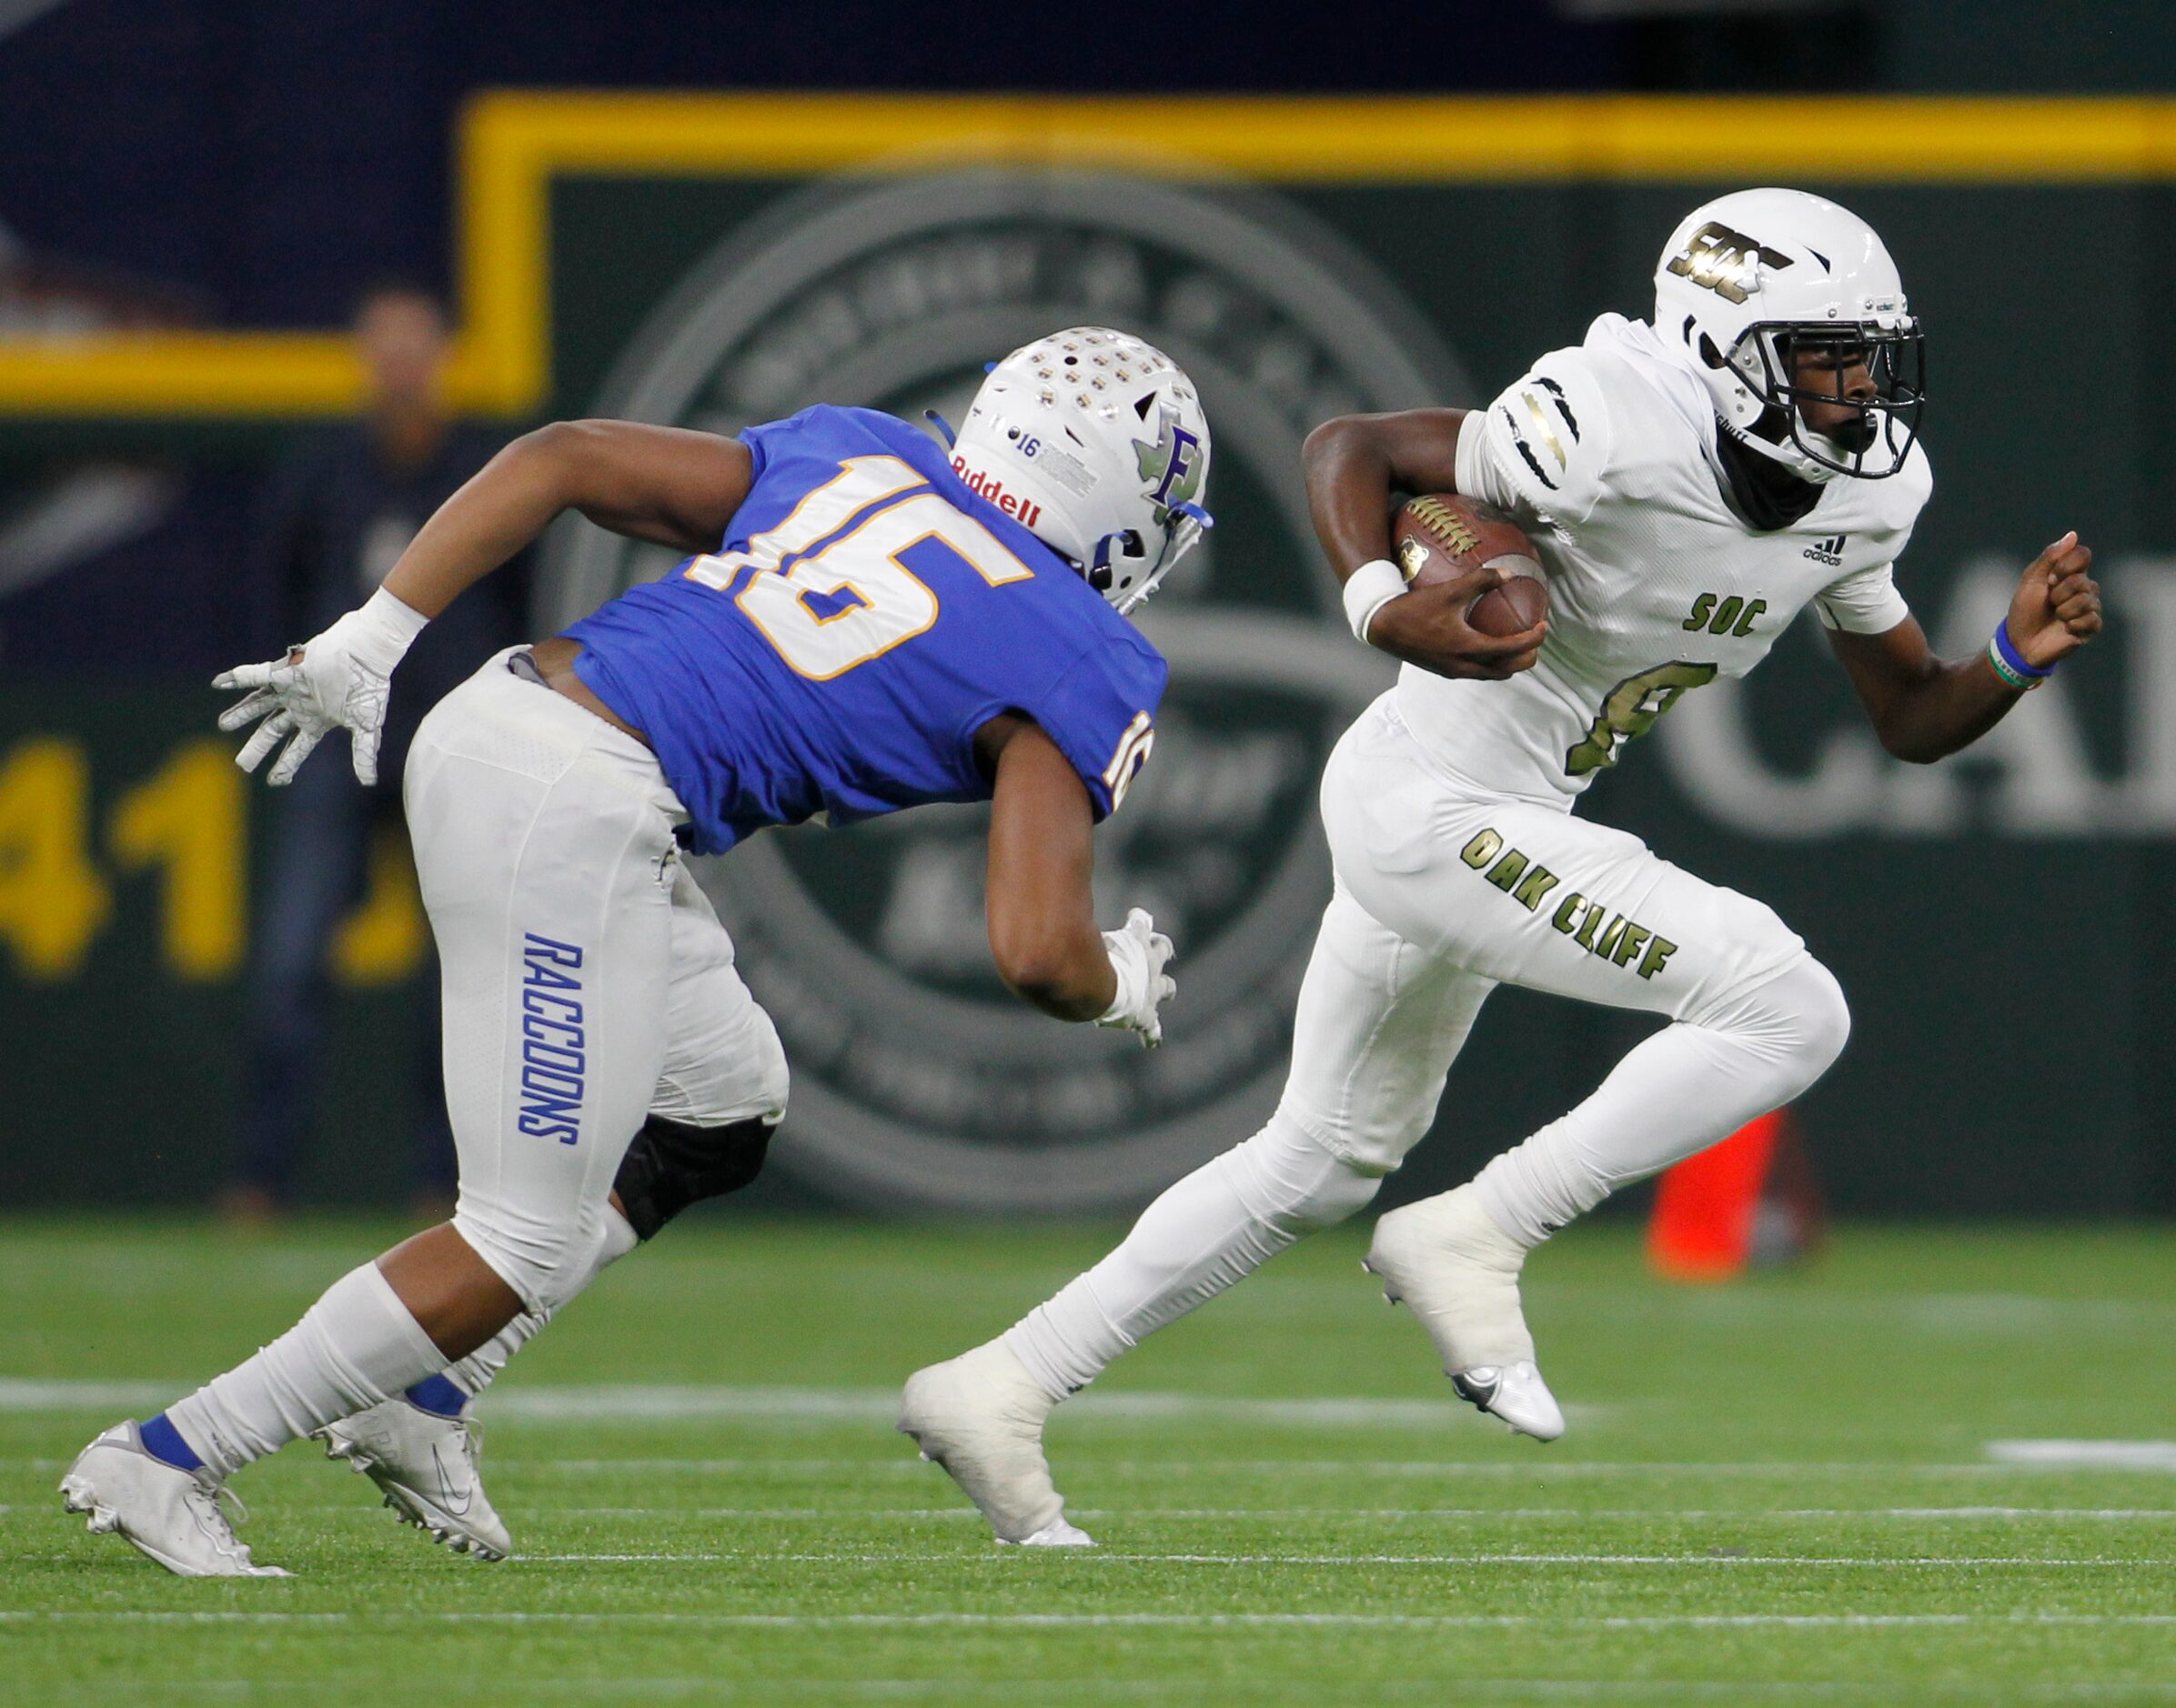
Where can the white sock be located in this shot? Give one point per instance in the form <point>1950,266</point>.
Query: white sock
<point>476,1372</point>
<point>359,1345</point>
<point>1218,1225</point>
<point>1690,1085</point>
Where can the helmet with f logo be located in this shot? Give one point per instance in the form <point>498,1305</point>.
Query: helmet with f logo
<point>1099,441</point>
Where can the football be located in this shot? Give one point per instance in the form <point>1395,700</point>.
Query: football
<point>1441,536</point>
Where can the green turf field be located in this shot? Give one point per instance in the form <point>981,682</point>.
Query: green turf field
<point>1792,1490</point>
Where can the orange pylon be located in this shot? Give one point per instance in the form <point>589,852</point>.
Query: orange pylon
<point>1707,1206</point>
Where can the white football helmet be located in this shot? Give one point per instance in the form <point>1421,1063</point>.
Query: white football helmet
<point>1097,443</point>
<point>1753,277</point>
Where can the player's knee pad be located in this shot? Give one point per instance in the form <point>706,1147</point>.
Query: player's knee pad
<point>1797,1018</point>
<point>543,1264</point>
<point>672,1164</point>
<point>1822,1012</point>
<point>742,1076</point>
<point>1289,1179</point>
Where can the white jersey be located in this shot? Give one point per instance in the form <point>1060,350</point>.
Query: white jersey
<point>1605,454</point>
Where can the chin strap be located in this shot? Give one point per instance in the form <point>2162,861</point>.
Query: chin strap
<point>1190,523</point>
<point>945,428</point>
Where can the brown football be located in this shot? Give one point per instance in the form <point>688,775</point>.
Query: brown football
<point>1441,536</point>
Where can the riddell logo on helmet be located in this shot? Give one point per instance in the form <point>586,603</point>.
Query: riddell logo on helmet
<point>1025,511</point>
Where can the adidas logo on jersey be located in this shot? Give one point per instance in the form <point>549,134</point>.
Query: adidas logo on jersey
<point>1025,511</point>
<point>1830,551</point>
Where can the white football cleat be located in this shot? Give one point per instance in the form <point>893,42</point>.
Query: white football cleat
<point>427,1466</point>
<point>168,1513</point>
<point>1446,1260</point>
<point>981,1416</point>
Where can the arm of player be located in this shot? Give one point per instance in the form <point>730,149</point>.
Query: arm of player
<point>1353,464</point>
<point>1042,905</point>
<point>665,485</point>
<point>1925,708</point>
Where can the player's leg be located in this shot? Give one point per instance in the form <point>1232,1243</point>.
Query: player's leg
<point>719,1096</point>
<point>1529,895</point>
<point>542,846</point>
<point>1378,1024</point>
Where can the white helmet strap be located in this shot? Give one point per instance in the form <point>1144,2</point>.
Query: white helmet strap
<point>1188,523</point>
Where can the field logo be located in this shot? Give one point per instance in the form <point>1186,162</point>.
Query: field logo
<point>918,1081</point>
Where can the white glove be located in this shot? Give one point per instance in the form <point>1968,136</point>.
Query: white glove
<point>340,677</point>
<point>1138,953</point>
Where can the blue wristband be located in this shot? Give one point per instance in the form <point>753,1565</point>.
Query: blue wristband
<point>2007,649</point>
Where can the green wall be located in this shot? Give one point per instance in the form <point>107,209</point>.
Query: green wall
<point>2002,931</point>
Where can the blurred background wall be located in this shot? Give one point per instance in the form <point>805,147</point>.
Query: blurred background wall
<point>753,208</point>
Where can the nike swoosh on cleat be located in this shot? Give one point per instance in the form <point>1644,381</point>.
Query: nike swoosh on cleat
<point>1476,1393</point>
<point>456,1504</point>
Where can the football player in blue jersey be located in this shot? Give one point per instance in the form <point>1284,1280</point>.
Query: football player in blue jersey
<point>868,623</point>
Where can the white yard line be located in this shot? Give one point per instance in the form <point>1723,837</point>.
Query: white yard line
<point>19,1393</point>
<point>1535,1467</point>
<point>1915,1562</point>
<point>1524,1467</point>
<point>2083,1456</point>
<point>1286,1514</point>
<point>951,1690</point>
<point>1627,1621</point>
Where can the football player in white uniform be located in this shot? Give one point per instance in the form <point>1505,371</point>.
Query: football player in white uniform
<point>1691,484</point>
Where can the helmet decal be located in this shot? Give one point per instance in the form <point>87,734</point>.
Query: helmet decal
<point>1725,261</point>
<point>1172,463</point>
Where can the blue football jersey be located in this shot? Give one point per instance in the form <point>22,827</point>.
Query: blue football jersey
<point>863,616</point>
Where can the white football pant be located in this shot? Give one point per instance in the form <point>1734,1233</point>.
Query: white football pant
<point>1443,893</point>
<point>588,981</point>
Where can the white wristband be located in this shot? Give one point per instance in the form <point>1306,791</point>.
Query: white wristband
<point>386,627</point>
<point>1367,590</point>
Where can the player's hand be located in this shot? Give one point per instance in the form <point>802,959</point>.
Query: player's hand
<point>2057,608</point>
<point>1139,953</point>
<point>1427,626</point>
<point>339,678</point>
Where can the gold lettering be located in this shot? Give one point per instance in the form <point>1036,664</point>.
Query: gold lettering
<point>1658,957</point>
<point>1567,912</point>
<point>1478,852</point>
<point>1635,935</point>
<point>1744,623</point>
<point>1539,882</point>
<point>1506,871</point>
<point>1595,912</point>
<point>1606,948</point>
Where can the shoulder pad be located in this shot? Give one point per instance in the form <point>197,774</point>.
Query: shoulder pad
<point>1549,436</point>
<point>1914,485</point>
<point>1889,509</point>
